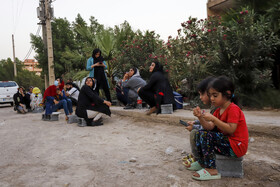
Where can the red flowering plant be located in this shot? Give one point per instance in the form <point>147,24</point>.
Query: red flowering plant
<point>246,46</point>
<point>139,51</point>
<point>240,47</point>
<point>191,52</point>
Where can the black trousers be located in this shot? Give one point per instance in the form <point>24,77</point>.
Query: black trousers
<point>148,97</point>
<point>105,87</point>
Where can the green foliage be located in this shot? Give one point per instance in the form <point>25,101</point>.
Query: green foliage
<point>240,48</point>
<point>191,52</point>
<point>261,99</point>
<point>240,45</point>
<point>24,77</point>
<point>7,70</point>
<point>139,51</point>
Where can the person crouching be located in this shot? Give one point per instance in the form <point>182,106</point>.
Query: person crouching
<point>90,106</point>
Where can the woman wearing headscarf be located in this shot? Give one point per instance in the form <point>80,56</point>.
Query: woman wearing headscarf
<point>97,66</point>
<point>90,105</point>
<point>132,84</point>
<point>21,100</point>
<point>158,90</point>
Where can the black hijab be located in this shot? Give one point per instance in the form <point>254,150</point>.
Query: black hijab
<point>100,58</point>
<point>158,67</point>
<point>93,83</point>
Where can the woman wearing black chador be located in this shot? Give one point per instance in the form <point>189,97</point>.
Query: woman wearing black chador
<point>90,106</point>
<point>158,90</point>
<point>97,66</point>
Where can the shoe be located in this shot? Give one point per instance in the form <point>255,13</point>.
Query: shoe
<point>127,107</point>
<point>82,125</point>
<point>97,123</point>
<point>21,111</point>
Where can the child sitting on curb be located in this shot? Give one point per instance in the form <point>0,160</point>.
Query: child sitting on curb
<point>194,126</point>
<point>231,139</point>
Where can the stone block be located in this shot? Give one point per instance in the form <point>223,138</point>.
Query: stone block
<point>52,117</point>
<point>229,166</point>
<point>38,110</point>
<point>166,109</point>
<point>73,119</point>
<point>82,122</point>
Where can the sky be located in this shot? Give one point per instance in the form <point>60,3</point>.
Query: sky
<point>19,18</point>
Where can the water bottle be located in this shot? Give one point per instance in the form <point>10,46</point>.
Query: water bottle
<point>139,103</point>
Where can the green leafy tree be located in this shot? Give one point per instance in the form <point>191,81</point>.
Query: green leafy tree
<point>192,51</point>
<point>241,48</point>
<point>7,69</point>
<point>24,77</point>
<point>139,51</point>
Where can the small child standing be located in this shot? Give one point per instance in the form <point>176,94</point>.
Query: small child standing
<point>231,139</point>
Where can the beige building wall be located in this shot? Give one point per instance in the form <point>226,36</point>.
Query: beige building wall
<point>32,65</point>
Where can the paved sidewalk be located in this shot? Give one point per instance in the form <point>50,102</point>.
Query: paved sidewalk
<point>259,118</point>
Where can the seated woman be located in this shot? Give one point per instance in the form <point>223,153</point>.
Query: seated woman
<point>132,82</point>
<point>22,101</point>
<point>90,105</point>
<point>36,98</point>
<point>122,92</point>
<point>158,90</point>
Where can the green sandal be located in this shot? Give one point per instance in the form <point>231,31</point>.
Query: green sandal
<point>204,175</point>
<point>195,166</point>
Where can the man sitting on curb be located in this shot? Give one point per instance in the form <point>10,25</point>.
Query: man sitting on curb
<point>72,93</point>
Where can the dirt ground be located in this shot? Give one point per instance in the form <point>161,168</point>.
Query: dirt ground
<point>125,151</point>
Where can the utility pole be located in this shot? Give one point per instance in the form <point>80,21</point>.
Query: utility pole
<point>14,55</point>
<point>45,14</point>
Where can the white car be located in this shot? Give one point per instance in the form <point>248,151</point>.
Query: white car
<point>7,91</point>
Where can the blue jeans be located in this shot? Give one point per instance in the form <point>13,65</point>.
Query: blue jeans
<point>51,107</point>
<point>69,105</point>
<point>122,95</point>
<point>62,104</point>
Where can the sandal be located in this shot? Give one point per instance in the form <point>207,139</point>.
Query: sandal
<point>188,162</point>
<point>195,166</point>
<point>204,175</point>
<point>187,157</point>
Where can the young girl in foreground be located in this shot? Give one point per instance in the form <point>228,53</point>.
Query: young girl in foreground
<point>232,136</point>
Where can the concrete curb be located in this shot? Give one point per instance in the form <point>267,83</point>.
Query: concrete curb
<point>172,119</point>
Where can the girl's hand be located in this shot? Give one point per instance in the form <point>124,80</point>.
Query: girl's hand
<point>208,117</point>
<point>96,64</point>
<point>190,127</point>
<point>138,89</point>
<point>101,64</point>
<point>197,112</point>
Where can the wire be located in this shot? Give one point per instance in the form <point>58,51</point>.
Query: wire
<point>16,11</point>
<point>31,48</point>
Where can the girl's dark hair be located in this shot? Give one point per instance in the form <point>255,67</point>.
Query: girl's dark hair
<point>100,58</point>
<point>135,70</point>
<point>202,86</point>
<point>224,85</point>
<point>158,67</point>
